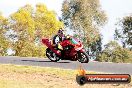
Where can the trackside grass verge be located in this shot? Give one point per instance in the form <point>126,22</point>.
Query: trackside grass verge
<point>16,76</point>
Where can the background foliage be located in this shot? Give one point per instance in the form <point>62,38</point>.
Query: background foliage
<point>84,17</point>
<point>28,26</point>
<point>3,41</point>
<point>123,33</point>
<point>113,52</point>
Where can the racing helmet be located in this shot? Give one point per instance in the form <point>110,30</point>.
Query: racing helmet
<point>61,32</point>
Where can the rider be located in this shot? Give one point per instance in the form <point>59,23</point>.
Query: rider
<point>59,37</point>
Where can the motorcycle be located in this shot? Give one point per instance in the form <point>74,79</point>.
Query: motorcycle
<point>68,49</point>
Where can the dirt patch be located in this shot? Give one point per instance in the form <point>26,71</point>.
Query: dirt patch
<point>30,77</point>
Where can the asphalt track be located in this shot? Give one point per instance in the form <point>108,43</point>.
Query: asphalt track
<point>117,68</point>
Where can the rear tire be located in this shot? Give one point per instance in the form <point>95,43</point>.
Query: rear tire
<point>51,55</point>
<point>83,57</point>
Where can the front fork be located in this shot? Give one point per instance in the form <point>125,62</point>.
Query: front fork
<point>82,50</point>
<point>79,53</point>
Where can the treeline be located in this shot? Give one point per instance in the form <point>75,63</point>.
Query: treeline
<point>22,31</point>
<point>113,52</point>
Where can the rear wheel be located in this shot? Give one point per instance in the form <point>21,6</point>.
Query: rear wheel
<point>83,57</point>
<point>51,55</point>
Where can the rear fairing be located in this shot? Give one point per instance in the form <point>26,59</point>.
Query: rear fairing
<point>49,45</point>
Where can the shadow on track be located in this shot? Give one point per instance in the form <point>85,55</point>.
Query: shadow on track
<point>42,61</point>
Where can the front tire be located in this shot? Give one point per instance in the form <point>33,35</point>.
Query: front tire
<point>83,57</point>
<point>51,55</point>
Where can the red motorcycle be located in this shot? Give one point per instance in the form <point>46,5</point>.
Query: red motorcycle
<point>69,49</point>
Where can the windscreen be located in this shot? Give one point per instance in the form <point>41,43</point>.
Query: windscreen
<point>74,41</point>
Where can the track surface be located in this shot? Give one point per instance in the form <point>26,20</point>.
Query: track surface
<point>119,68</point>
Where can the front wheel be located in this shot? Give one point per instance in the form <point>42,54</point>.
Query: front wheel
<point>83,57</point>
<point>51,55</point>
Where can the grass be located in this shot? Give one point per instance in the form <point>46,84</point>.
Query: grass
<point>36,69</point>
<point>15,76</point>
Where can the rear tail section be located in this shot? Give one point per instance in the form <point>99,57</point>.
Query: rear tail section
<point>47,42</point>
